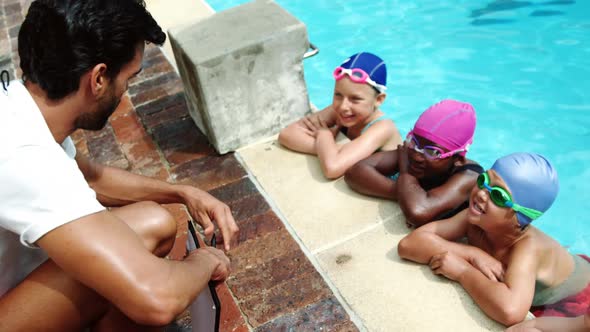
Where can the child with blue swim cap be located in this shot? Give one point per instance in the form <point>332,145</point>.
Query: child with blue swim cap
<point>359,90</point>
<point>508,266</point>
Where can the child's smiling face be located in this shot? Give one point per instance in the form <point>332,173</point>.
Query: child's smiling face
<point>484,213</point>
<point>354,102</point>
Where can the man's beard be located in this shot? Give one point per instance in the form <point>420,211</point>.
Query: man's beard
<point>97,120</point>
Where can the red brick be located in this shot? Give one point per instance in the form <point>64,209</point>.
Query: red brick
<point>180,215</point>
<point>181,141</point>
<point>259,225</point>
<point>346,326</point>
<point>248,207</point>
<point>241,328</point>
<point>104,149</point>
<point>235,190</point>
<point>138,147</point>
<point>82,148</point>
<point>269,274</point>
<point>325,315</point>
<point>124,108</point>
<point>153,66</point>
<point>13,19</point>
<point>164,110</point>
<point>10,9</point>
<point>156,88</point>
<point>209,172</point>
<point>178,251</point>
<point>78,136</point>
<point>264,249</point>
<point>127,128</point>
<point>231,317</point>
<point>285,298</point>
<point>13,31</point>
<point>14,47</point>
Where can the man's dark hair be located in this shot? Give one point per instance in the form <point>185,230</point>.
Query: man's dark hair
<point>60,40</point>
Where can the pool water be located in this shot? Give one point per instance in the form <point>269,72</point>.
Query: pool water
<point>524,65</point>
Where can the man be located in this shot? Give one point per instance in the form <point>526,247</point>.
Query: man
<point>429,175</point>
<point>104,269</point>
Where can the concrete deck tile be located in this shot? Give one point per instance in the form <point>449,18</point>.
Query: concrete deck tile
<point>354,239</point>
<point>318,209</point>
<point>389,293</point>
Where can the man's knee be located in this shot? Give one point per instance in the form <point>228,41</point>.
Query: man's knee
<point>153,223</point>
<point>159,223</point>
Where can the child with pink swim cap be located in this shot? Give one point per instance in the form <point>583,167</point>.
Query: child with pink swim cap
<point>428,175</point>
<point>359,91</point>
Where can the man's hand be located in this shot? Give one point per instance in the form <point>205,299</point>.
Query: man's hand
<point>449,265</point>
<point>205,209</point>
<point>217,258</point>
<point>489,266</point>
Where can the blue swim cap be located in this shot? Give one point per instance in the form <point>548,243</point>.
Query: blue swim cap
<point>370,64</point>
<point>531,179</point>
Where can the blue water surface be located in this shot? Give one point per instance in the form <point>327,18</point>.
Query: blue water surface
<point>524,65</point>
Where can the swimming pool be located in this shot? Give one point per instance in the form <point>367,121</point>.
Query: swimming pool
<point>524,65</point>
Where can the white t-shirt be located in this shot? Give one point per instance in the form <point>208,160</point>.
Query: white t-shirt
<point>41,186</point>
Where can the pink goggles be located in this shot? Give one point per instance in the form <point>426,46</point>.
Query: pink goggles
<point>429,151</point>
<point>357,75</point>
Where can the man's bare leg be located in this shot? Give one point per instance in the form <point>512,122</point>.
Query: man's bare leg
<point>49,300</point>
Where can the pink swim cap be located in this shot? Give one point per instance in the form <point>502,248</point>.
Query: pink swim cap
<point>449,123</point>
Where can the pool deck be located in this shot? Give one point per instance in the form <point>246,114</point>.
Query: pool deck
<point>313,255</point>
<point>351,240</point>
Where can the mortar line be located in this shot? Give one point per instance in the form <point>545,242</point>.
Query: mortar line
<point>347,238</point>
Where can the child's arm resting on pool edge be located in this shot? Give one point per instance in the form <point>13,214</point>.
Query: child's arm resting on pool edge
<point>369,176</point>
<point>336,159</point>
<point>422,206</point>
<point>438,237</point>
<point>506,302</point>
<point>299,137</point>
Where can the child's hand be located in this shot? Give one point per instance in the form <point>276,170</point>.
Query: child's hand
<point>489,266</point>
<point>402,156</point>
<point>448,265</point>
<point>310,124</point>
<point>315,124</point>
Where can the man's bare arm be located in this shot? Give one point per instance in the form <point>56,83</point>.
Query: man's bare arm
<point>103,253</point>
<point>116,187</point>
